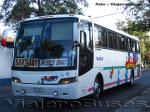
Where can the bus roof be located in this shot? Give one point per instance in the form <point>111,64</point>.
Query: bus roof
<point>80,17</point>
<point>59,16</point>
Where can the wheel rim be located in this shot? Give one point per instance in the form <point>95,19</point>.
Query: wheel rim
<point>132,80</point>
<point>97,88</point>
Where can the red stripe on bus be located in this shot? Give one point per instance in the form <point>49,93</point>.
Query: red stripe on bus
<point>109,84</point>
<point>112,83</point>
<point>115,82</point>
<point>91,89</point>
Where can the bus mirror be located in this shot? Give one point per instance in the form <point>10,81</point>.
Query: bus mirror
<point>6,43</point>
<point>8,37</point>
<point>76,44</point>
<point>10,44</point>
<point>3,42</point>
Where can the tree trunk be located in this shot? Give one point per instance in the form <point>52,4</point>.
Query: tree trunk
<point>41,11</point>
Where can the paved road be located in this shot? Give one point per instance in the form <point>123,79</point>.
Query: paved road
<point>111,101</point>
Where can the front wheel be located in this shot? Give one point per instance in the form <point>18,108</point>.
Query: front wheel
<point>97,88</point>
<point>131,79</point>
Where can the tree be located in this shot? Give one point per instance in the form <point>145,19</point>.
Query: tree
<point>13,11</point>
<point>141,11</point>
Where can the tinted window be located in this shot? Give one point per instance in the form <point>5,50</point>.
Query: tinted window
<point>134,46</point>
<point>98,36</point>
<point>119,42</point>
<point>115,45</point>
<point>125,43</point>
<point>128,45</point>
<point>110,39</point>
<point>45,44</point>
<point>104,35</point>
<point>138,47</point>
<point>122,43</point>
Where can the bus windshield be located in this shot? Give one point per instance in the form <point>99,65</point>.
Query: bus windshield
<point>45,43</point>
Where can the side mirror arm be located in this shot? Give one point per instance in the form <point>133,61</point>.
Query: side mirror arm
<point>76,44</point>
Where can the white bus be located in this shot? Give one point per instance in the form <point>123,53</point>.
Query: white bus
<point>70,56</point>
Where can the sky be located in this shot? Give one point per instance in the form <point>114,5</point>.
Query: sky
<point>100,10</point>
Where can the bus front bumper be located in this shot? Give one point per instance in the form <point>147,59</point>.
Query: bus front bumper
<point>66,91</point>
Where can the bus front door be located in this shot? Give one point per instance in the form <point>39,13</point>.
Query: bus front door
<point>86,54</point>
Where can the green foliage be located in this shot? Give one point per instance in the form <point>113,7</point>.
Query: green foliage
<point>131,26</point>
<point>20,10</point>
<point>140,10</point>
<point>13,11</point>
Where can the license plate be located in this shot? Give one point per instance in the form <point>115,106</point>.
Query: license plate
<point>38,89</point>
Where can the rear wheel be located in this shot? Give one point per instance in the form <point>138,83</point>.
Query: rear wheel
<point>131,78</point>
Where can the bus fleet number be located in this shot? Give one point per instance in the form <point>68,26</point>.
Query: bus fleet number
<point>99,58</point>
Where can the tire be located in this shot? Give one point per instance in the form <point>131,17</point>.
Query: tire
<point>98,88</point>
<point>131,78</point>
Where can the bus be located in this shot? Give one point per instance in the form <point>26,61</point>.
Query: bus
<point>71,56</point>
<point>6,39</point>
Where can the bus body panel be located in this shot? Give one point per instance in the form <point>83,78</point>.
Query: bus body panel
<point>30,81</point>
<point>86,82</point>
<point>68,91</point>
<point>113,75</point>
<point>113,66</point>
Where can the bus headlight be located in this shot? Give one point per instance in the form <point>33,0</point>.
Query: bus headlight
<point>16,80</point>
<point>68,80</point>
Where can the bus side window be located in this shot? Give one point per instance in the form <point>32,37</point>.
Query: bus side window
<point>122,43</point>
<point>138,47</point>
<point>115,45</point>
<point>131,44</point>
<point>110,40</point>
<point>134,48</point>
<point>128,45</point>
<point>90,45</point>
<point>98,37</point>
<point>104,37</point>
<point>119,42</point>
<point>83,40</point>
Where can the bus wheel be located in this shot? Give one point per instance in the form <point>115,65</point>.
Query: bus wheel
<point>131,78</point>
<point>97,88</point>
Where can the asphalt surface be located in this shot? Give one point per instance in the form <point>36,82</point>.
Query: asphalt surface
<point>118,99</point>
